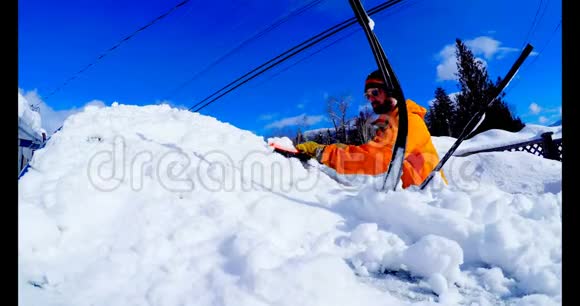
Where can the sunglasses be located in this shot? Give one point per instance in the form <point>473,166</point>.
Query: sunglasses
<point>374,93</point>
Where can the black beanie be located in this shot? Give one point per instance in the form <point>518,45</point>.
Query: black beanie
<point>375,80</point>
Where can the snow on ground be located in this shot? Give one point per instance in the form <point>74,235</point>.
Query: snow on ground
<point>151,205</point>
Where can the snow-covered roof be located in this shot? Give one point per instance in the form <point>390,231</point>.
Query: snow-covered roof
<point>29,121</point>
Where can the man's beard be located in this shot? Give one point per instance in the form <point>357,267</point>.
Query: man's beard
<point>383,108</point>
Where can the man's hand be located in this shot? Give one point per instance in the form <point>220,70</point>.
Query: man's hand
<point>310,148</point>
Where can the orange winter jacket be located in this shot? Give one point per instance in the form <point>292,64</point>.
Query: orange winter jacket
<point>373,158</point>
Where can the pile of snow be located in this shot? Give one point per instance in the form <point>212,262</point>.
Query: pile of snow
<point>513,172</point>
<point>29,120</point>
<point>151,205</point>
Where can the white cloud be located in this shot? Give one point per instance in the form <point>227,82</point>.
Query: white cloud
<point>447,69</point>
<point>551,112</point>
<point>296,120</point>
<point>550,117</point>
<point>484,46</point>
<point>267,117</point>
<point>52,119</point>
<point>535,108</point>
<point>451,96</point>
<point>543,115</point>
<point>503,51</point>
<point>488,47</point>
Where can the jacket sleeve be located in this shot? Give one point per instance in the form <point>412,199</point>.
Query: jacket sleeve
<point>371,158</point>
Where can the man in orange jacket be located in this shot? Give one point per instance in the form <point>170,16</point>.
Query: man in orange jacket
<point>373,158</point>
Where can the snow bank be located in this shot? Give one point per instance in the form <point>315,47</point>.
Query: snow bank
<point>132,205</point>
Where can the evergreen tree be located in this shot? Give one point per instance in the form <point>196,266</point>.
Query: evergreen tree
<point>440,117</point>
<point>429,118</point>
<point>499,116</point>
<point>476,91</point>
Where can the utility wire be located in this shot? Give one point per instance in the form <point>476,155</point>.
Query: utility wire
<point>547,43</point>
<point>276,24</point>
<point>74,76</point>
<point>307,57</point>
<point>533,25</point>
<point>516,81</point>
<point>536,21</point>
<point>288,54</point>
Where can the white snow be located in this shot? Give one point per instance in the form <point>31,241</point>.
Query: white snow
<point>371,24</point>
<point>498,138</point>
<point>151,205</point>
<point>30,120</point>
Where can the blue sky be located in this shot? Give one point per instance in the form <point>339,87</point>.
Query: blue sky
<point>169,61</point>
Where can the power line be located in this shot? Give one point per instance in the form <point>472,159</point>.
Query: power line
<point>288,54</point>
<point>317,38</point>
<point>309,56</point>
<point>533,25</point>
<point>271,27</point>
<point>74,76</point>
<point>516,81</point>
<point>548,42</point>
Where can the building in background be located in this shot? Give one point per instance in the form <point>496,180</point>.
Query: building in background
<point>31,135</point>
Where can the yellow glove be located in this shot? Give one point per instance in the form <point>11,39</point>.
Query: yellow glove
<point>310,148</point>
